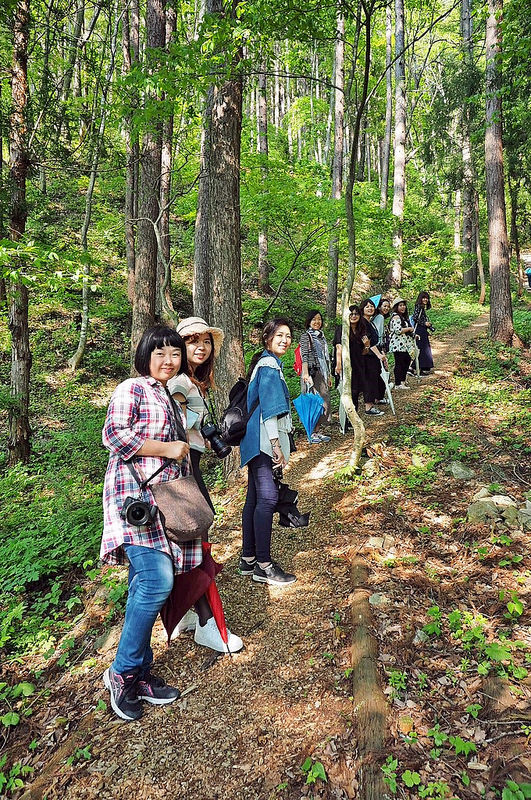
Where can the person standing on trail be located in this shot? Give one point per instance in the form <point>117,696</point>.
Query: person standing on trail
<point>316,372</point>
<point>359,344</point>
<point>265,449</point>
<point>144,430</point>
<point>379,321</point>
<point>422,325</point>
<point>372,362</point>
<point>400,341</point>
<point>190,389</point>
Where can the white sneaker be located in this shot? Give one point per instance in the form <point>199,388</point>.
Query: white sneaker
<point>402,386</point>
<point>209,636</point>
<point>186,624</point>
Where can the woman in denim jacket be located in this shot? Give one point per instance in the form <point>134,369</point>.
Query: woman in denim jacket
<point>265,448</point>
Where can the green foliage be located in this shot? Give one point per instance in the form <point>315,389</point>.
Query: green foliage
<point>314,771</point>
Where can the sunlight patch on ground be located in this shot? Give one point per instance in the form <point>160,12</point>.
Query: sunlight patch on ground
<point>326,466</point>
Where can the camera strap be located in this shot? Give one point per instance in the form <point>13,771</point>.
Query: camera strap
<point>143,482</point>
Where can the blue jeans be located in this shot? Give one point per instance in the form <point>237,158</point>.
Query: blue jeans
<point>260,504</point>
<point>150,583</point>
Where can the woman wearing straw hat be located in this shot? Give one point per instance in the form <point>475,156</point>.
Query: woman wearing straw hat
<point>203,343</point>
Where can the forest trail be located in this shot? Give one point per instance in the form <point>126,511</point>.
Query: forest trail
<point>246,723</point>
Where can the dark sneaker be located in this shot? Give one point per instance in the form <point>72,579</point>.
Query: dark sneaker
<point>123,688</point>
<point>273,575</point>
<point>246,567</point>
<point>154,690</point>
<point>374,412</point>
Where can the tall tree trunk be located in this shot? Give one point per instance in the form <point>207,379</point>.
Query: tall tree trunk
<point>346,394</point>
<point>501,313</point>
<point>469,180</point>
<point>479,257</point>
<point>457,221</point>
<point>218,232</point>
<point>337,162</point>
<point>386,144</point>
<point>3,292</point>
<point>515,239</point>
<point>399,190</point>
<point>163,301</point>
<point>263,262</point>
<point>18,416</point>
<point>130,56</point>
<point>76,359</point>
<point>149,194</point>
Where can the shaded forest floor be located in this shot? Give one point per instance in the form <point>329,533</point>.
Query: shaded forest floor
<point>451,652</point>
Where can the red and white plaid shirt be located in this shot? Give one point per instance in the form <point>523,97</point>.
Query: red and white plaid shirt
<point>140,409</point>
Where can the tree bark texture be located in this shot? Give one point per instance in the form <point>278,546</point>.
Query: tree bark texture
<point>130,54</point>
<point>18,416</point>
<point>386,144</point>
<point>263,262</point>
<point>217,266</point>
<point>337,162</point>
<point>501,315</point>
<point>399,183</point>
<point>469,180</point>
<point>515,238</point>
<point>149,194</point>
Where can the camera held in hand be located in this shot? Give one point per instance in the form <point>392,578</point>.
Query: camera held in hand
<point>138,513</point>
<point>212,434</point>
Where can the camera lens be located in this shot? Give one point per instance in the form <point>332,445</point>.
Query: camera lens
<point>137,513</point>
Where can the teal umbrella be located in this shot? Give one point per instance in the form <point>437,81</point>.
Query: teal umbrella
<point>309,408</point>
<point>375,299</point>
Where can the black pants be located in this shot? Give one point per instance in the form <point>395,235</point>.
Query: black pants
<point>195,457</point>
<point>402,362</point>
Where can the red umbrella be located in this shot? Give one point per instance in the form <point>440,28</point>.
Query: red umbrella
<point>188,587</point>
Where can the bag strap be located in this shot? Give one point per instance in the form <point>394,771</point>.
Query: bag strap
<point>143,482</point>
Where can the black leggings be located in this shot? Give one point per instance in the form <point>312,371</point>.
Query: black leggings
<point>195,457</point>
<point>402,362</point>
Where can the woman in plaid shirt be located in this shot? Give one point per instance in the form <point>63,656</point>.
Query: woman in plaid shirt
<point>141,425</point>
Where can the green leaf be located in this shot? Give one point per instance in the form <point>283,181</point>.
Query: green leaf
<point>411,778</point>
<point>498,652</point>
<point>10,719</point>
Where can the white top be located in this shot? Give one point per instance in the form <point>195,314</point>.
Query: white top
<point>195,408</point>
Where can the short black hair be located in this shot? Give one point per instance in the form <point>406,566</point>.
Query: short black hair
<point>310,315</point>
<point>153,338</point>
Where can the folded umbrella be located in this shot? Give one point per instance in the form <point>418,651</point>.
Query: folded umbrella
<point>343,421</point>
<point>385,378</point>
<point>188,587</point>
<point>309,408</point>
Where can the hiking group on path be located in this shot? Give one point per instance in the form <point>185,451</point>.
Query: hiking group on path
<point>158,425</point>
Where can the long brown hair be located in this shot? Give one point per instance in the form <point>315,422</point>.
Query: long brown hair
<point>203,377</point>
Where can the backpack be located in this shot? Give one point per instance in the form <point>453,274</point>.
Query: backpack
<point>234,419</point>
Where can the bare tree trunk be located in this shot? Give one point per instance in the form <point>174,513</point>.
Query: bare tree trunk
<point>515,239</point>
<point>457,221</point>
<point>3,291</point>
<point>469,181</point>
<point>337,162</point>
<point>163,300</point>
<point>501,313</point>
<point>386,144</point>
<point>202,292</point>
<point>18,415</point>
<point>76,359</point>
<point>479,257</point>
<point>218,235</point>
<point>263,262</point>
<point>149,194</point>
<point>130,51</point>
<point>399,192</point>
<point>346,394</point>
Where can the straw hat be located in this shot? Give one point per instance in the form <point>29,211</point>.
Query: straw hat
<point>397,301</point>
<point>194,325</point>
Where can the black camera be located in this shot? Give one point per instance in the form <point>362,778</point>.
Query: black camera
<point>212,433</point>
<point>137,512</point>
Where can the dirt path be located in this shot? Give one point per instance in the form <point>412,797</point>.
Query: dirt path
<point>247,723</point>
